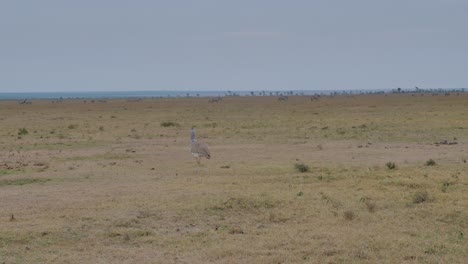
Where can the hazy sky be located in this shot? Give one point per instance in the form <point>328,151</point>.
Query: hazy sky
<point>67,45</point>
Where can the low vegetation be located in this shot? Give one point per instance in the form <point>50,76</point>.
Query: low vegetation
<point>22,181</point>
<point>169,124</point>
<point>22,131</point>
<point>301,167</point>
<point>111,183</point>
<point>422,197</point>
<point>391,165</point>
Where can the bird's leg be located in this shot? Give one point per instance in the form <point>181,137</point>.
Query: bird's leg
<point>198,163</point>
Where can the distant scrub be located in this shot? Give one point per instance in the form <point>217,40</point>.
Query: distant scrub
<point>430,162</point>
<point>445,185</point>
<point>301,167</point>
<point>72,126</point>
<point>371,206</point>
<point>246,203</point>
<point>391,165</point>
<point>422,197</point>
<point>169,124</point>
<point>22,181</point>
<point>22,131</point>
<point>348,215</point>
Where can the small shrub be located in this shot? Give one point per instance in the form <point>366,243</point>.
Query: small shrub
<point>391,165</point>
<point>445,186</point>
<point>430,162</point>
<point>422,197</point>
<point>169,124</point>
<point>371,206</point>
<point>22,131</point>
<point>301,167</point>
<point>72,126</point>
<point>340,131</point>
<point>101,128</point>
<point>236,231</point>
<point>300,194</point>
<point>348,215</point>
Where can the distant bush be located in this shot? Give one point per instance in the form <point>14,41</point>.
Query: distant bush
<point>301,167</point>
<point>371,206</point>
<point>422,197</point>
<point>169,124</point>
<point>72,126</point>
<point>22,131</point>
<point>445,185</point>
<point>391,165</point>
<point>349,215</point>
<point>430,162</point>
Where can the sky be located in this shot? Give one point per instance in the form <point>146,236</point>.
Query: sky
<point>248,45</point>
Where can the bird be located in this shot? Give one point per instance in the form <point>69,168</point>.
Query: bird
<point>198,148</point>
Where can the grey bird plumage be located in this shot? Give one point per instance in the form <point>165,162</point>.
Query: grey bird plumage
<point>198,148</point>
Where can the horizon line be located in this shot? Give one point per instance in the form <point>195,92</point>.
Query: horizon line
<point>233,90</point>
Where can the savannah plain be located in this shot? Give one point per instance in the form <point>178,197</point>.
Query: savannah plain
<point>344,179</point>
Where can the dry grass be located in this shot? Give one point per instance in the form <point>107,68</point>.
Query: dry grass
<point>108,183</point>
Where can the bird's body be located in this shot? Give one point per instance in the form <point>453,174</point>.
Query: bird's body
<point>198,149</point>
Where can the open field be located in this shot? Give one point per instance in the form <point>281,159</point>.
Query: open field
<point>108,183</point>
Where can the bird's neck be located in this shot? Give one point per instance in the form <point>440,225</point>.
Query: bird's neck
<point>192,137</point>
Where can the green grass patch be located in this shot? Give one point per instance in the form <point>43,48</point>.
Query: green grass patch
<point>20,182</point>
<point>7,172</point>
<point>22,131</point>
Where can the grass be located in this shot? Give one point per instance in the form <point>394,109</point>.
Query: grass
<point>301,167</point>
<point>391,165</point>
<point>22,131</point>
<point>445,185</point>
<point>422,197</point>
<point>8,172</point>
<point>169,124</point>
<point>349,215</point>
<point>112,197</point>
<point>20,182</point>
